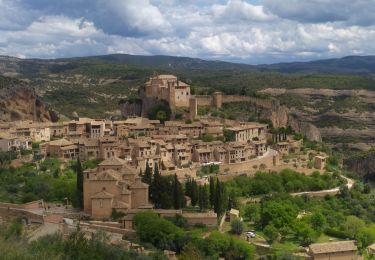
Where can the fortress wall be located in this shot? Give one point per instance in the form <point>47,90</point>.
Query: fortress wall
<point>265,103</point>
<point>204,100</point>
<point>247,167</point>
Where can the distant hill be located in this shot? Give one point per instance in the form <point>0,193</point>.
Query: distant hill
<point>173,62</point>
<point>357,65</point>
<point>346,65</point>
<point>93,86</point>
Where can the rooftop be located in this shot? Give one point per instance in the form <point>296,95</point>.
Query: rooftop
<point>333,247</point>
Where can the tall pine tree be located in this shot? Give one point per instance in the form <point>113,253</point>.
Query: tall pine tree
<point>147,176</point>
<point>205,199</point>
<point>217,201</point>
<point>177,193</point>
<point>79,174</point>
<point>212,192</point>
<point>194,192</point>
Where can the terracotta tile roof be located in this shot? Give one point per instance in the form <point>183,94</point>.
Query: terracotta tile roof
<point>333,247</point>
<point>60,142</point>
<point>108,175</point>
<point>113,161</point>
<point>118,204</point>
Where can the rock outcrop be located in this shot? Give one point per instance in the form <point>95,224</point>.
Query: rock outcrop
<point>309,130</point>
<point>18,101</point>
<point>363,165</point>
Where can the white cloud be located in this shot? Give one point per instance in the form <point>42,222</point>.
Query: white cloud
<point>138,14</point>
<point>235,10</point>
<point>234,30</point>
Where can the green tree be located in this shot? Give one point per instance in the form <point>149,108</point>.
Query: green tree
<point>219,206</point>
<point>229,135</point>
<point>304,234</point>
<point>147,176</point>
<point>318,221</point>
<point>177,193</point>
<point>189,252</point>
<point>353,225</point>
<point>160,232</point>
<point>79,174</point>
<point>203,198</point>
<point>194,192</point>
<point>161,115</point>
<point>237,226</point>
<point>271,233</point>
<point>212,192</point>
<point>279,213</point>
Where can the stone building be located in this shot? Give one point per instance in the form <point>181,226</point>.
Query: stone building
<point>113,185</point>
<point>341,250</point>
<point>170,89</point>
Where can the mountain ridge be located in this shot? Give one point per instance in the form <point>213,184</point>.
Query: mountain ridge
<point>358,65</point>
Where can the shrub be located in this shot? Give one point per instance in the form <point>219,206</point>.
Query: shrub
<point>237,226</point>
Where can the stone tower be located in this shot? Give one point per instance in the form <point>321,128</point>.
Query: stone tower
<point>218,99</point>
<point>193,108</point>
<point>172,95</point>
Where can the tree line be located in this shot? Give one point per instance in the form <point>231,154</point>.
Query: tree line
<point>167,192</point>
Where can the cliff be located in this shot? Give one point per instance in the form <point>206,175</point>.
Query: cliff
<point>362,164</point>
<point>18,101</point>
<point>282,116</point>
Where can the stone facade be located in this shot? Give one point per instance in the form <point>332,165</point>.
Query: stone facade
<point>113,185</point>
<point>170,89</point>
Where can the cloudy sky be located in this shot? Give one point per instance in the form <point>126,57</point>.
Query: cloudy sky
<point>252,31</point>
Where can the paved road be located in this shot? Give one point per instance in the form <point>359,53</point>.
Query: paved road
<point>333,191</point>
<point>320,193</point>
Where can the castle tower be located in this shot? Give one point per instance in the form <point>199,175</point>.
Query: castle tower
<point>193,108</point>
<point>172,95</point>
<point>218,99</point>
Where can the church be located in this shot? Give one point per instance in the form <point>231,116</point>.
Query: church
<point>113,185</point>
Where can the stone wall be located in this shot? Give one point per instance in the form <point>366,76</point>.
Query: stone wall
<point>30,205</point>
<point>203,100</point>
<point>248,166</point>
<point>6,212</point>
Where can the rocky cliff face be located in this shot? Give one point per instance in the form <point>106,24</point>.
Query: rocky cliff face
<point>363,165</point>
<point>20,102</point>
<point>281,116</point>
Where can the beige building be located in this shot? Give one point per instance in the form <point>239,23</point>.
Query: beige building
<point>249,132</point>
<point>170,89</point>
<point>63,149</point>
<point>113,185</point>
<point>341,250</point>
<point>320,162</point>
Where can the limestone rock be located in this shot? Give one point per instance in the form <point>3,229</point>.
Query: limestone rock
<point>18,101</point>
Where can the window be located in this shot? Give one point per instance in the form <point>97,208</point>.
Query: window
<point>101,203</point>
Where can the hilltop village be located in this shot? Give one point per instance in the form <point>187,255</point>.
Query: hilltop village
<point>199,153</point>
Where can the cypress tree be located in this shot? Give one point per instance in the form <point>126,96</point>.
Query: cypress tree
<point>205,201</point>
<point>212,192</point>
<point>177,193</point>
<point>79,175</point>
<point>188,187</point>
<point>194,192</point>
<point>147,176</point>
<point>200,200</point>
<point>218,199</point>
<point>154,189</point>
